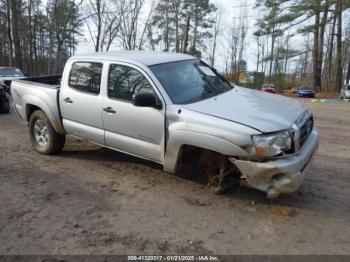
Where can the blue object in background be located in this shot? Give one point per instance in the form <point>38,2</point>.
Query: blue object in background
<point>305,91</point>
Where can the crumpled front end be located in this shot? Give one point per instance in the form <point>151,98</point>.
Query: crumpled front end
<point>280,176</point>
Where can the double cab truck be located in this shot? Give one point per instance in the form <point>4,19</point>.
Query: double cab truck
<point>175,110</point>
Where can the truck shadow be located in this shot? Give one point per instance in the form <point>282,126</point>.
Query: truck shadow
<point>113,159</point>
<point>311,197</point>
<point>105,156</point>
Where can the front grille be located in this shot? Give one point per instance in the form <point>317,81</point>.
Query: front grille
<point>305,131</point>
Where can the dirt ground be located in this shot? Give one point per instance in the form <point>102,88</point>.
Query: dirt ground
<point>90,200</point>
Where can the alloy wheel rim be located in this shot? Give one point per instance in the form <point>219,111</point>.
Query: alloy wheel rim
<point>41,133</point>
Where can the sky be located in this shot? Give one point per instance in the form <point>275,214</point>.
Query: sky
<point>231,11</point>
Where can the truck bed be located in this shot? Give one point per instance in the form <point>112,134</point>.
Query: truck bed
<point>42,92</point>
<point>50,81</point>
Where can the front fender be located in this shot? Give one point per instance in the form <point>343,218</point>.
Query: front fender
<point>179,138</point>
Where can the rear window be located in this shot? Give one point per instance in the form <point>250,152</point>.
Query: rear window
<point>86,77</point>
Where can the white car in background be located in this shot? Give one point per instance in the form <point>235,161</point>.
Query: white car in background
<point>345,92</point>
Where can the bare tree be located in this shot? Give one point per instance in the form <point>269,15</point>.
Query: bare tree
<point>217,29</point>
<point>95,20</point>
<point>130,23</point>
<point>146,25</point>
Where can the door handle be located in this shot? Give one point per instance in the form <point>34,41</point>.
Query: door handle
<point>68,100</point>
<point>109,110</point>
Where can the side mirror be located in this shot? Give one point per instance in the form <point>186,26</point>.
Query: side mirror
<point>146,99</point>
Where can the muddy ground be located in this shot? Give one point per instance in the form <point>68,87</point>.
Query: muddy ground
<point>90,200</point>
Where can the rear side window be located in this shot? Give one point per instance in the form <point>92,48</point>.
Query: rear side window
<point>86,77</point>
<point>124,82</point>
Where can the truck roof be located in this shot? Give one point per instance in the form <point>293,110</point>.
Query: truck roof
<point>144,57</point>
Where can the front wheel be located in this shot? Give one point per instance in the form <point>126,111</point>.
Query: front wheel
<point>44,138</point>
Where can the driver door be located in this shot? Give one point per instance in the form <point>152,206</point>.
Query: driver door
<point>134,130</point>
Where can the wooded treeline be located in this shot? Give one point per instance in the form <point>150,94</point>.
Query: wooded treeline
<point>324,61</point>
<point>39,36</point>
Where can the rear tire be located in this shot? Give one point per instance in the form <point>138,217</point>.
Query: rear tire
<point>44,138</point>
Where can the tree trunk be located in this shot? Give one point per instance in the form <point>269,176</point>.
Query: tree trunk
<point>195,31</point>
<point>175,8</point>
<point>187,29</point>
<point>30,40</point>
<point>177,43</point>
<point>272,52</point>
<point>166,36</point>
<point>217,26</point>
<point>329,66</point>
<point>14,5</point>
<point>339,72</point>
<point>99,25</point>
<point>258,55</point>
<point>35,46</point>
<point>321,44</point>
<point>9,35</point>
<point>316,76</point>
<point>285,68</point>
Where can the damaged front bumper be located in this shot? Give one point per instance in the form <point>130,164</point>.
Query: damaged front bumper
<point>280,176</point>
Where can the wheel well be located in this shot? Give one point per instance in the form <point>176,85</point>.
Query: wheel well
<point>190,158</point>
<point>202,165</point>
<point>30,110</point>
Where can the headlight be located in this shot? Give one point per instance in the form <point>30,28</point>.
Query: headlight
<point>272,144</point>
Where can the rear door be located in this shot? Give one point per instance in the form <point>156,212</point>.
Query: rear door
<point>135,130</point>
<point>80,101</point>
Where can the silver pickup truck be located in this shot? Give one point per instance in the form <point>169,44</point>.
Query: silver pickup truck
<point>175,110</point>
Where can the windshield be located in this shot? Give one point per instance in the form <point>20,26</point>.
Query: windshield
<point>305,88</point>
<point>10,72</point>
<point>268,86</point>
<point>190,81</point>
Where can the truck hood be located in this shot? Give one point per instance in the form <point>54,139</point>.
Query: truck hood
<point>260,110</point>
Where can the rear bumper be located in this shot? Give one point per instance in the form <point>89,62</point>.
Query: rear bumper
<point>280,176</point>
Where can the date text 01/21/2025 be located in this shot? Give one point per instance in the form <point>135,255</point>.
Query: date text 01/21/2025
<point>173,258</point>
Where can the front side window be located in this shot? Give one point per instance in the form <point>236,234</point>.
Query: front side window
<point>190,81</point>
<point>86,77</point>
<point>124,82</point>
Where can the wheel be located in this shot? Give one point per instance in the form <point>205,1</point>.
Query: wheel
<point>221,174</point>
<point>44,138</point>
